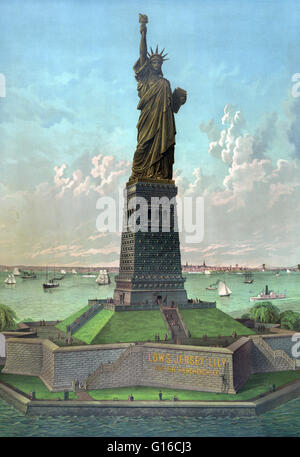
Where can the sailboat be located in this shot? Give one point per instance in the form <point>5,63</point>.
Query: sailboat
<point>74,272</point>
<point>103,278</point>
<point>16,272</point>
<point>10,279</point>
<point>50,284</point>
<point>223,290</point>
<point>28,275</point>
<point>63,272</point>
<point>248,278</point>
<point>288,271</point>
<point>207,272</point>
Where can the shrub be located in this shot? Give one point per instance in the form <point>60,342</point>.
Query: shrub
<point>265,312</point>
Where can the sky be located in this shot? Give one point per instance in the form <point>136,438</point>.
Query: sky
<point>68,125</point>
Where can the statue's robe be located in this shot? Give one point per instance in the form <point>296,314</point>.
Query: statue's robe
<point>154,155</point>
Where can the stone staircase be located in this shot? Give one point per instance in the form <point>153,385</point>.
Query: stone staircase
<point>175,322</point>
<point>107,370</point>
<point>277,358</point>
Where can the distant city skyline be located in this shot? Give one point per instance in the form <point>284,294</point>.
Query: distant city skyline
<point>68,125</point>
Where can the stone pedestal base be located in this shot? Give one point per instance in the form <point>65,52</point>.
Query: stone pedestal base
<point>150,262</point>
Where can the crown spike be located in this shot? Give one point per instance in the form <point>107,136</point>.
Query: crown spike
<point>162,51</point>
<point>151,50</point>
<point>156,52</point>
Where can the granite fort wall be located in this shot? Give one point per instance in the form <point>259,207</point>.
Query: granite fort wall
<point>78,362</point>
<point>161,365</point>
<point>24,356</point>
<point>207,369</point>
<point>242,367</point>
<point>283,342</point>
<point>264,358</point>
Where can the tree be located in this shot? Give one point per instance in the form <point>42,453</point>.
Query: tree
<point>290,320</point>
<point>7,318</point>
<point>265,312</point>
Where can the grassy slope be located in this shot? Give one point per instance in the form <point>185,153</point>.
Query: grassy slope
<point>63,325</point>
<point>91,329</point>
<point>212,322</point>
<point>129,326</point>
<point>257,384</point>
<point>32,383</point>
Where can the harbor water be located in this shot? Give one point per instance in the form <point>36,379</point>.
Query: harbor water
<point>29,300</point>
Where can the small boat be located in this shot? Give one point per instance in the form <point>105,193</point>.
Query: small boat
<point>63,272</point>
<point>74,272</point>
<point>103,278</point>
<point>89,275</point>
<point>268,295</point>
<point>50,284</point>
<point>10,279</point>
<point>277,274</point>
<point>224,290</point>
<point>288,271</point>
<point>28,275</point>
<point>207,272</point>
<point>58,279</point>
<point>16,272</point>
<point>212,287</point>
<point>248,278</point>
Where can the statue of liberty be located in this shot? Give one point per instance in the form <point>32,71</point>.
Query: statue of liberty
<point>154,155</point>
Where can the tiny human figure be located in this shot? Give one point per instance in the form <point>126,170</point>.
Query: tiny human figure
<point>274,387</point>
<point>175,398</point>
<point>270,388</point>
<point>131,397</point>
<point>160,395</point>
<point>31,396</point>
<point>165,337</point>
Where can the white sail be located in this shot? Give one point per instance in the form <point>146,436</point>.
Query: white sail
<point>10,279</point>
<point>207,272</point>
<point>16,272</point>
<point>103,277</point>
<point>74,272</point>
<point>63,272</point>
<point>223,290</point>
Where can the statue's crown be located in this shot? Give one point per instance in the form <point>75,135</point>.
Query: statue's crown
<point>157,54</point>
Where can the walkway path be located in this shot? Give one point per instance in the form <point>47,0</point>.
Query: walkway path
<point>83,396</point>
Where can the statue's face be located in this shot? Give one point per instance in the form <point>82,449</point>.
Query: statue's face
<point>156,64</point>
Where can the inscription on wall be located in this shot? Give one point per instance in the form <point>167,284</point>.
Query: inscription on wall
<point>187,364</point>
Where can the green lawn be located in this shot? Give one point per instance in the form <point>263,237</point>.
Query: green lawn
<point>130,326</point>
<point>212,322</point>
<point>63,325</point>
<point>91,329</point>
<point>257,384</point>
<point>33,383</point>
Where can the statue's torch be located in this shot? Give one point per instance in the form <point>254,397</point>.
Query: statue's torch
<point>143,20</point>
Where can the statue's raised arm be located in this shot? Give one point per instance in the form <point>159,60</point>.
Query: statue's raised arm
<point>154,155</point>
<point>143,19</point>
